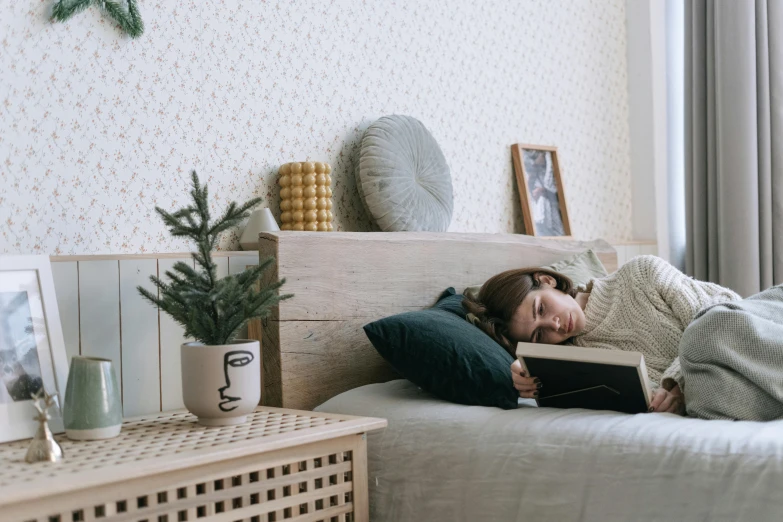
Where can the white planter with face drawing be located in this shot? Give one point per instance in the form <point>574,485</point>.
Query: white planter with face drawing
<point>221,384</point>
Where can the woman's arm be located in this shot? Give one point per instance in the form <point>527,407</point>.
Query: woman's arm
<point>672,377</point>
<point>684,295</point>
<point>681,294</point>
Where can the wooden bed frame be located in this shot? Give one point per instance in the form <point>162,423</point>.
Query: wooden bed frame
<point>313,344</point>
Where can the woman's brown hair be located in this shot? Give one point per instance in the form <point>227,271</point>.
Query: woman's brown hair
<point>502,294</point>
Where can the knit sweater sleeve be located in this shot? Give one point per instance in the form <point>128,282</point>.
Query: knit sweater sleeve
<point>681,294</point>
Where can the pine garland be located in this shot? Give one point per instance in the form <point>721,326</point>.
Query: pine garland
<point>129,20</point>
<point>211,310</point>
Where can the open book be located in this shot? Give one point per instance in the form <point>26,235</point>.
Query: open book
<point>590,378</point>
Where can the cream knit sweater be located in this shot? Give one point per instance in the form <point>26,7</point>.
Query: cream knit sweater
<point>645,307</point>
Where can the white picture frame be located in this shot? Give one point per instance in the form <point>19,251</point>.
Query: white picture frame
<point>32,349</point>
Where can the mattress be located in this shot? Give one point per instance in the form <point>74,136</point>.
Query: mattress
<point>439,461</point>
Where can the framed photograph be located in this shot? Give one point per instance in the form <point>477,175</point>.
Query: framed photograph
<point>540,190</point>
<point>32,350</point>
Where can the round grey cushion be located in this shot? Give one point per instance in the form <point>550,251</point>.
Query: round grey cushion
<point>403,179</point>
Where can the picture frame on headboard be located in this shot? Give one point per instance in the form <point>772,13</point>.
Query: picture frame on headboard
<point>32,349</point>
<point>541,194</point>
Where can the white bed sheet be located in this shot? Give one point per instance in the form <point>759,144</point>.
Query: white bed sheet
<point>439,461</point>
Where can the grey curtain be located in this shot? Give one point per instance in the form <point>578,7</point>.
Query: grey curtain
<point>733,139</point>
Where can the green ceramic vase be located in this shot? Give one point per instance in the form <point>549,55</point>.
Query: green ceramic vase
<point>92,408</point>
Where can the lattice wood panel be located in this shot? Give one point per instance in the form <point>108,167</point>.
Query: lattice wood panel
<point>317,489</point>
<point>281,465</point>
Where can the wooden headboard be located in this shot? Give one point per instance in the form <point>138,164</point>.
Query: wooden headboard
<point>313,344</point>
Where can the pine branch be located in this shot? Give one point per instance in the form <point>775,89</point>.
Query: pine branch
<point>233,216</point>
<point>63,10</point>
<point>211,310</point>
<point>149,296</point>
<point>187,276</point>
<point>129,20</point>
<point>200,198</point>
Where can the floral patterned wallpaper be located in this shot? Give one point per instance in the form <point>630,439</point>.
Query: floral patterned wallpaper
<point>98,129</point>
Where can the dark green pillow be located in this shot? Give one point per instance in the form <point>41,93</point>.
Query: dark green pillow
<point>439,351</point>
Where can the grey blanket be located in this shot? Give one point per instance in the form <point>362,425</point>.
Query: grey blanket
<point>732,359</point>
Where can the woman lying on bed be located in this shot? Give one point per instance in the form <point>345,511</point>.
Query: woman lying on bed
<point>645,307</point>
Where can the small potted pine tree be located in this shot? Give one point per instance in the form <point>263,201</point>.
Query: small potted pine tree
<point>221,375</point>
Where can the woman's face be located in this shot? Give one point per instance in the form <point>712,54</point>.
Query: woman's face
<point>547,316</point>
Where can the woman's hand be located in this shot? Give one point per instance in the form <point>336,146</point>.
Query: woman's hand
<point>526,386</point>
<point>671,401</point>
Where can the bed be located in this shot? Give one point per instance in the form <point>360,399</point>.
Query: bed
<point>439,461</point>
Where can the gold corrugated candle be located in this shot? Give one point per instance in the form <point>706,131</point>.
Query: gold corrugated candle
<point>306,196</point>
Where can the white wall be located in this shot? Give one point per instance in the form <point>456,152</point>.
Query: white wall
<point>647,116</point>
<point>98,129</point>
<point>656,97</point>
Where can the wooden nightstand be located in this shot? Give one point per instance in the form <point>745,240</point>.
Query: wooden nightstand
<point>281,464</point>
